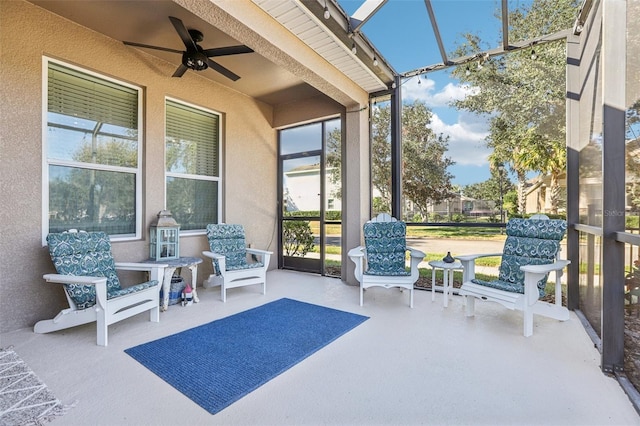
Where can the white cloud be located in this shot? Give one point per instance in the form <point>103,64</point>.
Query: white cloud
<point>467,134</point>
<point>466,139</point>
<point>426,91</point>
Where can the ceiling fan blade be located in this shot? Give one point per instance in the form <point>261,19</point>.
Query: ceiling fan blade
<point>180,71</point>
<point>183,33</point>
<point>224,51</point>
<point>166,49</point>
<point>222,70</point>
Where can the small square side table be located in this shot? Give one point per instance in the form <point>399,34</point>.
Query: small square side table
<point>447,278</point>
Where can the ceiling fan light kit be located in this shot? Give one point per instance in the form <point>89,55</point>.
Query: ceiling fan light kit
<point>195,57</point>
<point>196,61</point>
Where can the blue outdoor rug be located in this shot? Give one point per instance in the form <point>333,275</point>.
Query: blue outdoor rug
<point>238,354</point>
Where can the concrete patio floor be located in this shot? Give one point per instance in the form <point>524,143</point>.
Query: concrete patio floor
<point>426,365</point>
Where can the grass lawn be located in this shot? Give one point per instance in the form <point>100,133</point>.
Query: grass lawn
<point>452,232</point>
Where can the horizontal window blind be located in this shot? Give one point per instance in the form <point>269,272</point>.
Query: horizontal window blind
<point>93,153</point>
<point>77,94</point>
<point>192,138</point>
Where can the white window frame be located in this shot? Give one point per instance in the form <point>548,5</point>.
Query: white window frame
<point>46,162</point>
<point>217,179</point>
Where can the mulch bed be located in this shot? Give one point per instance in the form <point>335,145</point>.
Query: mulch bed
<point>632,345</point>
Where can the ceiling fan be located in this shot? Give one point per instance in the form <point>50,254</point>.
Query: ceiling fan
<point>195,57</point>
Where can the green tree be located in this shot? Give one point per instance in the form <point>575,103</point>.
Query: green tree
<point>102,194</point>
<point>523,95</point>
<point>632,158</point>
<point>492,189</point>
<point>381,155</point>
<point>334,161</point>
<point>426,180</point>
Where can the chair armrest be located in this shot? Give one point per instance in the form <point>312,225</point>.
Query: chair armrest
<point>221,267</point>
<point>156,271</point>
<point>544,269</point>
<point>259,252</point>
<point>468,257</point>
<point>73,279</point>
<point>100,284</point>
<point>469,264</point>
<point>416,253</point>
<point>212,255</point>
<point>356,252</point>
<point>134,266</point>
<point>262,256</point>
<point>534,273</point>
<point>356,255</point>
<point>416,258</point>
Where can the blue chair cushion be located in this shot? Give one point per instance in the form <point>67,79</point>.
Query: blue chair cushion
<point>87,254</point>
<point>229,241</point>
<point>385,245</point>
<point>529,242</point>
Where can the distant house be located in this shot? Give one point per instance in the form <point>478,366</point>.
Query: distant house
<point>302,189</point>
<point>539,196</point>
<point>457,204</point>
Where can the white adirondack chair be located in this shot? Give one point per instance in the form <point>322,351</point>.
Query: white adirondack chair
<point>530,254</point>
<point>87,270</point>
<point>229,256</point>
<point>381,261</point>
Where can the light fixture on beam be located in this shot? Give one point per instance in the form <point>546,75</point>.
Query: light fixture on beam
<point>354,49</point>
<point>327,15</point>
<point>375,61</point>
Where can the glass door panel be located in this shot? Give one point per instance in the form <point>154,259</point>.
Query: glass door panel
<point>301,195</point>
<point>310,197</point>
<point>301,186</point>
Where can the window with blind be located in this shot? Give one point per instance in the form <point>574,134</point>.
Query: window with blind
<point>192,149</point>
<point>92,172</point>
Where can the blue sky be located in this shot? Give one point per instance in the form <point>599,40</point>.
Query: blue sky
<point>402,33</point>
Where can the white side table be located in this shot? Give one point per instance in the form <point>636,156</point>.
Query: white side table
<point>447,279</point>
<point>189,262</point>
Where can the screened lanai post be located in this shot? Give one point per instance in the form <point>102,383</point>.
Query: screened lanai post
<point>614,58</point>
<point>356,195</point>
<point>573,172</point>
<point>396,149</point>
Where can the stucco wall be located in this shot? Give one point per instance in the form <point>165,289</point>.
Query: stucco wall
<point>29,32</point>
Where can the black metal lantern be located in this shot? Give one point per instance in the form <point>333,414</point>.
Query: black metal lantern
<point>164,237</point>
